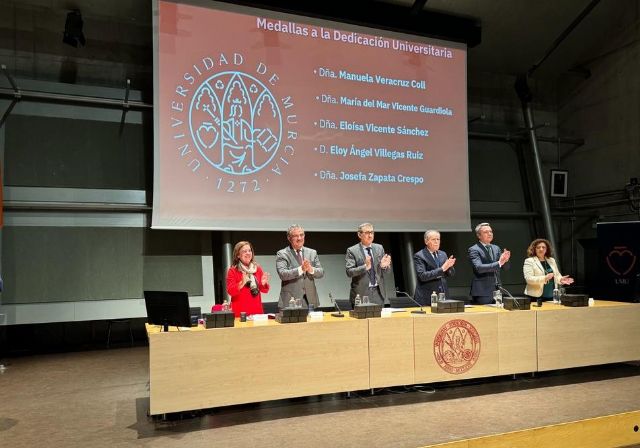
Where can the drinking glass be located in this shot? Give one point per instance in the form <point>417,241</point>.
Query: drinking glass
<point>441,297</point>
<point>365,300</point>
<point>562,293</point>
<point>497,296</point>
<point>298,303</point>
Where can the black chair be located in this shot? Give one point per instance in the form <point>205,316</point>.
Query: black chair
<point>325,309</point>
<point>466,299</point>
<point>344,304</point>
<point>402,302</point>
<point>122,322</point>
<point>270,307</point>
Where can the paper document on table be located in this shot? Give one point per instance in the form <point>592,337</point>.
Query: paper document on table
<point>395,310</point>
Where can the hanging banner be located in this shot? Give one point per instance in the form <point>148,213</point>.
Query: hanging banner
<point>618,264</point>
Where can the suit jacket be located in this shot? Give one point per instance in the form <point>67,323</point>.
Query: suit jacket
<point>294,284</point>
<point>357,271</point>
<point>486,270</point>
<point>430,276</point>
<point>534,275</point>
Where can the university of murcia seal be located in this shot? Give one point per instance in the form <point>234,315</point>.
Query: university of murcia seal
<point>456,346</point>
<point>232,124</point>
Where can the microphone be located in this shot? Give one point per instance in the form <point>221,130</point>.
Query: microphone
<point>420,311</point>
<point>339,313</point>
<point>505,290</point>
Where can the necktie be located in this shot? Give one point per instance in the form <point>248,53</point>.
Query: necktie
<point>489,252</point>
<point>372,271</point>
<point>435,258</point>
<point>299,256</point>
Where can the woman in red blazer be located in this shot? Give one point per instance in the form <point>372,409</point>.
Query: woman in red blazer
<point>246,280</point>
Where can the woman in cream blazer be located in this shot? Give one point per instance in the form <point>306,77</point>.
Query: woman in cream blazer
<point>541,271</point>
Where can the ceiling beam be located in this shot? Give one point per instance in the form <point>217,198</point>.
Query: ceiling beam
<point>418,6</point>
<point>377,14</point>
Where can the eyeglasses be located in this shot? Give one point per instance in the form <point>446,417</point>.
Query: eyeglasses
<point>367,232</point>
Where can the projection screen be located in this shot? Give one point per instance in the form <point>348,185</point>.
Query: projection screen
<point>262,119</point>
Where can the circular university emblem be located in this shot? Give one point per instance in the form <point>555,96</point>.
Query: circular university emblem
<point>232,124</point>
<point>456,346</point>
<point>235,122</point>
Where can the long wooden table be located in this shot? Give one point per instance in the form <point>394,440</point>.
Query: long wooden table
<point>252,362</point>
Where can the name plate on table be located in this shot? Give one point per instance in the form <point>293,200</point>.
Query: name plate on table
<point>516,303</point>
<point>316,315</point>
<point>219,319</point>
<point>448,306</point>
<point>366,311</point>
<point>292,315</point>
<point>575,300</point>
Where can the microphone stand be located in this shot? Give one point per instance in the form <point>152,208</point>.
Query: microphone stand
<point>339,313</point>
<point>420,311</point>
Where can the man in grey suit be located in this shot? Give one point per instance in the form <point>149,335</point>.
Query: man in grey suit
<point>487,261</point>
<point>298,268</point>
<point>432,268</point>
<point>365,264</point>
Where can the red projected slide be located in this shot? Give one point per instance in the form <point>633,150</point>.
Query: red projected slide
<point>264,120</point>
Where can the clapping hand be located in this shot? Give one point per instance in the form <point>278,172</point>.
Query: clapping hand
<point>245,280</point>
<point>548,277</point>
<point>306,266</point>
<point>367,262</point>
<point>386,261</point>
<point>504,257</point>
<point>265,278</point>
<point>448,263</point>
<point>566,280</point>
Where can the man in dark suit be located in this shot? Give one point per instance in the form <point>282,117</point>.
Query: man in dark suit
<point>365,264</point>
<point>298,268</point>
<point>487,261</point>
<point>432,268</point>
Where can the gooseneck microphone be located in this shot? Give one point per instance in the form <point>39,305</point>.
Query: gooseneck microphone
<point>335,303</point>
<point>420,311</point>
<point>506,291</point>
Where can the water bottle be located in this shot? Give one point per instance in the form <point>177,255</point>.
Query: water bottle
<point>434,299</point>
<point>292,303</point>
<point>556,295</point>
<point>358,301</point>
<point>225,306</point>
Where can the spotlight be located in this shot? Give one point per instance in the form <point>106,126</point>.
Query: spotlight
<point>73,29</point>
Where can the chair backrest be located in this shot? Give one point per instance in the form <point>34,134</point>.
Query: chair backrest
<point>401,302</point>
<point>325,309</point>
<point>270,307</point>
<point>344,304</point>
<point>465,299</point>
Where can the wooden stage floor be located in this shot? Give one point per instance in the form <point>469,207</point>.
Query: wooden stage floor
<point>101,398</point>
